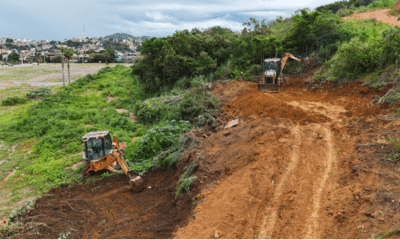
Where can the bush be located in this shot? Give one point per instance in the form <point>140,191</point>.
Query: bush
<point>371,4</point>
<point>354,58</point>
<point>186,180</point>
<point>224,70</point>
<point>10,101</point>
<point>343,12</point>
<point>162,136</point>
<point>41,92</point>
<point>186,105</point>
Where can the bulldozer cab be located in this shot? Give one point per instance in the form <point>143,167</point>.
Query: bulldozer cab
<point>97,145</point>
<point>272,64</point>
<point>271,73</point>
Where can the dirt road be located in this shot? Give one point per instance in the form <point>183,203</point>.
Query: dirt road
<point>308,162</point>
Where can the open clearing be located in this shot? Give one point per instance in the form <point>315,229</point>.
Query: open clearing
<point>308,162</point>
<point>45,74</point>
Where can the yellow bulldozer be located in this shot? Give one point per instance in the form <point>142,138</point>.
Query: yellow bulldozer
<point>272,77</point>
<point>101,153</point>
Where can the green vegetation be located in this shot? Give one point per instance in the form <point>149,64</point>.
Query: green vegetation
<point>374,47</point>
<point>394,157</point>
<point>41,92</point>
<point>168,90</point>
<point>344,8</point>
<point>356,46</point>
<point>58,123</point>
<point>140,154</point>
<point>186,180</point>
<point>47,134</point>
<point>9,101</point>
<point>389,233</point>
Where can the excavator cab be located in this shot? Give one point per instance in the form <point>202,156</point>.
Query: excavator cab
<point>97,145</point>
<point>271,73</point>
<point>101,153</point>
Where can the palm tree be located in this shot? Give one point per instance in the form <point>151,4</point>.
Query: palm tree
<point>68,54</point>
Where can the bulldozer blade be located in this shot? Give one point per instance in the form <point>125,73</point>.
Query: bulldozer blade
<point>268,87</point>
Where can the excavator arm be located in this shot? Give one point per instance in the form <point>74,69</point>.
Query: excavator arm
<point>286,58</point>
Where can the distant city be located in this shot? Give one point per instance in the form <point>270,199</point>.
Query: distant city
<point>87,49</point>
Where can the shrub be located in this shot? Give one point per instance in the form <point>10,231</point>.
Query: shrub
<point>237,73</point>
<point>9,101</point>
<point>162,136</point>
<point>371,4</point>
<point>251,71</point>
<point>173,155</point>
<point>18,213</point>
<point>354,58</point>
<point>186,180</point>
<point>343,12</point>
<point>41,92</point>
<point>224,70</point>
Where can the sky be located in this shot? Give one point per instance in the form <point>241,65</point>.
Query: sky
<point>58,20</point>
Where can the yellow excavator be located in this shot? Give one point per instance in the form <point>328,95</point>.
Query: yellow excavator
<point>272,77</point>
<point>101,153</point>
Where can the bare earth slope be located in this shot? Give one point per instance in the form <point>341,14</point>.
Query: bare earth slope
<point>381,15</point>
<point>301,164</point>
<point>308,162</point>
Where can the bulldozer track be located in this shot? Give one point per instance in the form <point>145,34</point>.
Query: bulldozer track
<point>270,219</point>
<point>318,190</point>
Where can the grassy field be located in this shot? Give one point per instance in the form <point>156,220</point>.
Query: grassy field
<point>44,74</point>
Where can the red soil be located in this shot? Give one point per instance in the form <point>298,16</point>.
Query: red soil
<point>307,162</point>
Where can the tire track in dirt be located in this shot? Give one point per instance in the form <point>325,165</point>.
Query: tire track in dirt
<point>313,222</point>
<point>267,230</point>
<point>309,174</point>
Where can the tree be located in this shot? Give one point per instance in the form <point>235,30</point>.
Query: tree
<point>302,33</point>
<point>13,57</point>
<point>68,54</point>
<point>109,55</point>
<point>90,51</point>
<point>9,40</point>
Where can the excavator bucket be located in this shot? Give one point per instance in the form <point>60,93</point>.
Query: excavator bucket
<point>268,87</point>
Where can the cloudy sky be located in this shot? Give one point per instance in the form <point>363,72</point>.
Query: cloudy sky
<point>57,20</point>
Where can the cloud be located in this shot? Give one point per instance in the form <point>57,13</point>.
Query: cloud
<point>157,16</point>
<point>266,14</point>
<point>168,28</point>
<point>52,20</point>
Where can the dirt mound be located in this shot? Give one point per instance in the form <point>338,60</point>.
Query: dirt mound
<point>255,103</point>
<point>106,208</point>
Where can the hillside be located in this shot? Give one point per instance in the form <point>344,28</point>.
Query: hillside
<point>319,159</point>
<point>308,162</point>
<point>124,36</point>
